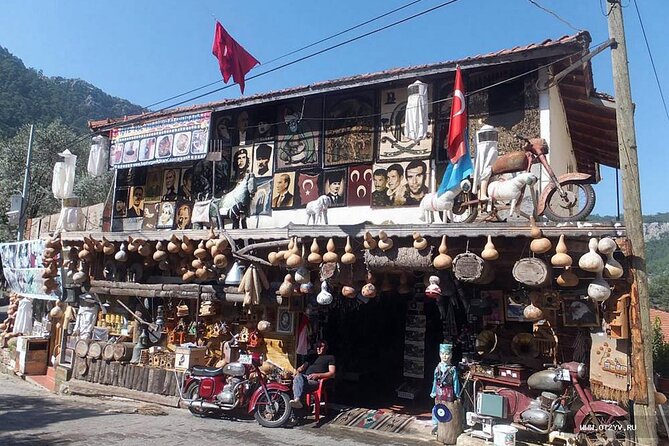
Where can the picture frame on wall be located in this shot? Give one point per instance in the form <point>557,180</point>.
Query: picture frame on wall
<point>261,201</point>
<point>580,313</point>
<point>171,178</point>
<point>121,202</point>
<point>334,186</point>
<point>242,159</point>
<point>495,300</point>
<point>285,321</point>
<point>183,214</point>
<point>308,187</point>
<point>263,162</point>
<point>283,190</point>
<point>360,185</point>
<point>350,129</point>
<point>153,189</point>
<point>166,214</point>
<point>404,183</point>
<point>151,211</point>
<point>514,305</point>
<point>298,139</point>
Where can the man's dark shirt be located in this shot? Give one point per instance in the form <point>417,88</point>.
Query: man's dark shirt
<point>321,364</point>
<point>381,198</point>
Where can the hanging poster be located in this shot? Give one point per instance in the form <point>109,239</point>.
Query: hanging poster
<point>283,194</point>
<point>261,201</point>
<point>308,186</point>
<point>263,161</point>
<point>298,138</point>
<point>166,140</point>
<point>393,144</point>
<point>170,184</point>
<point>166,215</point>
<point>349,135</point>
<point>121,202</point>
<point>184,212</point>
<point>360,185</point>
<point>22,268</point>
<point>400,184</point>
<point>241,162</point>
<point>334,186</point>
<point>151,211</point>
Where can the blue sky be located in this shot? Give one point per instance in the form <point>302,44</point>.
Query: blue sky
<point>146,51</point>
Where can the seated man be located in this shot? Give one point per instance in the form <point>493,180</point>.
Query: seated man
<point>305,382</point>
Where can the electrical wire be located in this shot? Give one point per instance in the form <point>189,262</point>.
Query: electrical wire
<point>652,60</point>
<point>366,22</point>
<point>554,14</point>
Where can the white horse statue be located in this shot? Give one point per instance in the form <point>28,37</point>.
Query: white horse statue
<point>234,204</point>
<point>511,189</point>
<point>441,203</point>
<point>318,209</point>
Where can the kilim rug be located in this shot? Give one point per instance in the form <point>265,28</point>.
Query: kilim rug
<point>373,419</point>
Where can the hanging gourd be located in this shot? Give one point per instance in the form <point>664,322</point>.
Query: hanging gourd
<point>188,276</point>
<point>78,278</point>
<point>182,266</point>
<point>85,254</point>
<point>419,242</point>
<point>348,291</point>
<point>108,247</point>
<point>218,247</point>
<point>132,245</point>
<point>599,289</point>
<point>532,312</point>
<point>286,287</point>
<point>275,258</point>
<point>443,260</point>
<point>201,251</point>
<point>294,259</point>
<point>591,261</point>
<point>210,238</point>
<point>348,258</point>
<point>315,257</point>
<point>220,261</point>
<point>122,254</point>
<point>369,290</point>
<point>287,253</point>
<point>370,242</point>
<point>612,268</point>
<point>187,245</point>
<point>197,263</point>
<point>540,244</point>
<point>324,297</point>
<point>561,259</point>
<point>174,246</point>
<point>385,242</point>
<point>160,254</point>
<point>489,251</point>
<point>302,275</point>
<point>331,255</point>
<point>144,249</point>
<point>568,278</point>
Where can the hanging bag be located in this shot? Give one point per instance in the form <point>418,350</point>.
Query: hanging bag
<point>201,211</point>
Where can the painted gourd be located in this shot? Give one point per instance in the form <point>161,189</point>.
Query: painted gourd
<point>532,313</point>
<point>302,275</point>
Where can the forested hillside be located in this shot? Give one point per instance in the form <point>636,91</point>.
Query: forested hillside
<point>60,109</point>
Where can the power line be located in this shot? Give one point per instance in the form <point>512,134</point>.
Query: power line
<point>652,61</point>
<point>366,22</point>
<point>554,14</point>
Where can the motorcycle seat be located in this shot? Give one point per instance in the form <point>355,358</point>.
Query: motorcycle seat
<point>206,371</point>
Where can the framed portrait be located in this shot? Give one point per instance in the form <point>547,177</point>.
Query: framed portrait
<point>147,149</point>
<point>298,139</point>
<point>262,127</point>
<point>400,184</point>
<point>198,143</point>
<point>308,187</point>
<point>334,186</point>
<point>153,189</point>
<point>495,300</point>
<point>68,358</point>
<point>283,191</point>
<point>181,144</point>
<point>242,133</point>
<point>184,212</point>
<point>164,146</point>
<point>242,157</point>
<point>151,210</point>
<point>165,218</point>
<point>359,185</point>
<point>121,202</point>
<point>393,145</point>
<point>186,191</point>
<point>349,134</point>
<point>261,202</point>
<point>170,184</point>
<point>136,203</point>
<point>130,151</point>
<point>285,321</point>
<point>221,133</point>
<point>116,154</point>
<point>580,313</point>
<point>514,306</point>
<point>263,161</point>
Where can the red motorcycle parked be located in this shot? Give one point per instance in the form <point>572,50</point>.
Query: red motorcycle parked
<point>595,422</point>
<point>238,386</point>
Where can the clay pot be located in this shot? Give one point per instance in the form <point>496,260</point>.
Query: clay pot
<point>561,259</point>
<point>443,260</point>
<point>348,258</point>
<point>385,242</point>
<point>591,261</point>
<point>331,255</point>
<point>315,257</point>
<point>489,252</point>
<point>370,242</point>
<point>419,242</point>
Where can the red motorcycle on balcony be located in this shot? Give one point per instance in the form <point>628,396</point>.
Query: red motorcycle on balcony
<point>239,386</point>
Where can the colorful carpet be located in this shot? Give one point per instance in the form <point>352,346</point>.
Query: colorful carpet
<point>373,419</point>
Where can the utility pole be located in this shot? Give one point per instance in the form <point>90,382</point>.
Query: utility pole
<point>644,408</point>
<point>26,188</point>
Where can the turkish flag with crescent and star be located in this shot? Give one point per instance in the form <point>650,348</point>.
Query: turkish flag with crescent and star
<point>309,188</point>
<point>233,59</point>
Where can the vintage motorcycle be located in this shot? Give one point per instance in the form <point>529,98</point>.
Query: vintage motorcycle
<point>562,400</point>
<point>239,386</point>
<point>567,198</point>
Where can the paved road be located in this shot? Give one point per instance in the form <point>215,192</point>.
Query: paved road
<point>30,416</point>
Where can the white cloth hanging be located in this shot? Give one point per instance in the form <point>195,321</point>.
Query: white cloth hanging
<point>86,318</point>
<point>486,155</point>
<point>416,117</point>
<point>24,317</point>
<point>62,183</point>
<point>68,220</point>
<point>98,157</point>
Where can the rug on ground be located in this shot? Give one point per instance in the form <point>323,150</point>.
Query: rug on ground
<point>373,419</point>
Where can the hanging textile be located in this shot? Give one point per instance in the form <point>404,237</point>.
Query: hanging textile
<point>609,368</point>
<point>303,336</point>
<point>416,116</point>
<point>98,157</point>
<point>62,183</point>
<point>24,317</point>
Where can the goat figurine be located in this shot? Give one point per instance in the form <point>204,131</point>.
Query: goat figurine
<point>437,203</point>
<point>318,209</point>
<point>511,189</point>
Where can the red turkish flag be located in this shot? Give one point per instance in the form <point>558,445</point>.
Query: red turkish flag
<point>457,132</point>
<point>233,59</point>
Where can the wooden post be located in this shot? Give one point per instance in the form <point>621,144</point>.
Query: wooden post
<point>644,408</point>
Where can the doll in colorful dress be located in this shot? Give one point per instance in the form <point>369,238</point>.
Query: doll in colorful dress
<point>445,390</point>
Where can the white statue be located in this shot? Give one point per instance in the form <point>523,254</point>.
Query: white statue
<point>511,189</point>
<point>486,155</point>
<point>318,209</point>
<point>444,202</point>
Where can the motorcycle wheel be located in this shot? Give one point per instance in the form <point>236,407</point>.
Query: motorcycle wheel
<point>462,213</point>
<point>191,393</point>
<point>576,205</point>
<point>615,433</point>
<point>274,413</point>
